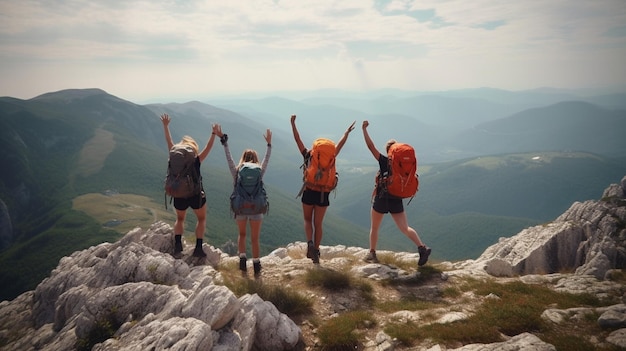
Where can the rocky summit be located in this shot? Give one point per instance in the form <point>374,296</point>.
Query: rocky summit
<point>133,295</point>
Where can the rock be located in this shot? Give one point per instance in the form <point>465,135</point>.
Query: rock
<point>521,342</point>
<point>582,239</point>
<point>614,317</point>
<point>617,338</point>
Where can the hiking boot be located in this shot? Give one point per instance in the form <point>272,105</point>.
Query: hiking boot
<point>257,269</point>
<point>371,257</point>
<point>198,252</point>
<point>424,252</point>
<point>242,264</point>
<point>316,256</point>
<point>178,249</point>
<point>310,250</point>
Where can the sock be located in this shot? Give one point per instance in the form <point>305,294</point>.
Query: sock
<point>310,242</point>
<point>242,255</point>
<point>198,242</point>
<point>178,238</point>
<point>256,260</point>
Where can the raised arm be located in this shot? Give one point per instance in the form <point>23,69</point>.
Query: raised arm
<point>369,142</point>
<point>344,138</point>
<point>268,151</point>
<point>205,152</point>
<point>296,135</point>
<point>165,119</point>
<point>217,130</point>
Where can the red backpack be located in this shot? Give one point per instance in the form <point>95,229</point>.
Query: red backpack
<point>319,170</point>
<point>401,179</point>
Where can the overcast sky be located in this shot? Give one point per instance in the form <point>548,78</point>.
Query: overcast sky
<point>175,50</point>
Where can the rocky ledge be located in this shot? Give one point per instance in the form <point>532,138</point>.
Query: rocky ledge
<point>151,301</point>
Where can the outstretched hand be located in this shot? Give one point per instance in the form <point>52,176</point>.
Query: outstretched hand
<point>217,130</point>
<point>268,136</point>
<point>351,127</point>
<point>293,119</point>
<point>165,118</point>
<point>365,124</point>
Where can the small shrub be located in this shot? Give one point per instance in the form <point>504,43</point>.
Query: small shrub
<point>104,329</point>
<point>328,279</point>
<point>341,332</point>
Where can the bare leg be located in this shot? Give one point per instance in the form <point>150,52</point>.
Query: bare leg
<point>179,225</point>
<point>307,211</point>
<point>241,240</point>
<point>376,220</point>
<point>318,218</point>
<point>201,214</point>
<point>403,225</point>
<point>255,229</point>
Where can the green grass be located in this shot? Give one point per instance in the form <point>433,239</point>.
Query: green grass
<point>511,309</point>
<point>328,279</point>
<point>344,331</point>
<point>285,299</point>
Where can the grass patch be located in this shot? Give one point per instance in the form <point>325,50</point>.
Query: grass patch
<point>406,303</point>
<point>342,332</point>
<point>286,300</point>
<point>328,279</point>
<point>509,309</point>
<point>392,259</point>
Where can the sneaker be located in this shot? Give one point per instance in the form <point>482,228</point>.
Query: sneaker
<point>424,252</point>
<point>316,256</point>
<point>257,269</point>
<point>198,252</point>
<point>371,257</point>
<point>310,250</point>
<point>242,264</point>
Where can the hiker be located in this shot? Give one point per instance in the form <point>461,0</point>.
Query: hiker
<point>315,202</point>
<point>255,220</point>
<point>196,202</point>
<point>384,203</point>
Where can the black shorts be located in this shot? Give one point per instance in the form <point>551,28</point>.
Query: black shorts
<point>388,205</point>
<point>315,198</point>
<point>195,202</point>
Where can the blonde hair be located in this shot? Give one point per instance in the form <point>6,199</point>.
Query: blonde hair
<point>249,155</point>
<point>389,143</point>
<point>187,140</point>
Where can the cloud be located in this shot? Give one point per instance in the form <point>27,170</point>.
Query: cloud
<point>257,45</point>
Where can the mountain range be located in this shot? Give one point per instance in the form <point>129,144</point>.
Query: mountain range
<point>492,162</point>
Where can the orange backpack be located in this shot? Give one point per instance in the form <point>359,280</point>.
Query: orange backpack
<point>319,170</point>
<point>401,180</point>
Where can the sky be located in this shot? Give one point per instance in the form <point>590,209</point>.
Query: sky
<point>178,50</point>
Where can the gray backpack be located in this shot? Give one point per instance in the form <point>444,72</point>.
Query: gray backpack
<point>183,178</point>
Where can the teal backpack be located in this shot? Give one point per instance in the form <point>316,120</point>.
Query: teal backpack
<point>249,196</point>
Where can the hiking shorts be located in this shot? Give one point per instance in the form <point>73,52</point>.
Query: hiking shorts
<point>387,205</point>
<point>254,217</point>
<point>195,202</point>
<point>315,198</point>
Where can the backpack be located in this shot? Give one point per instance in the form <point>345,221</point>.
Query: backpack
<point>401,179</point>
<point>319,168</point>
<point>183,178</point>
<point>249,196</point>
